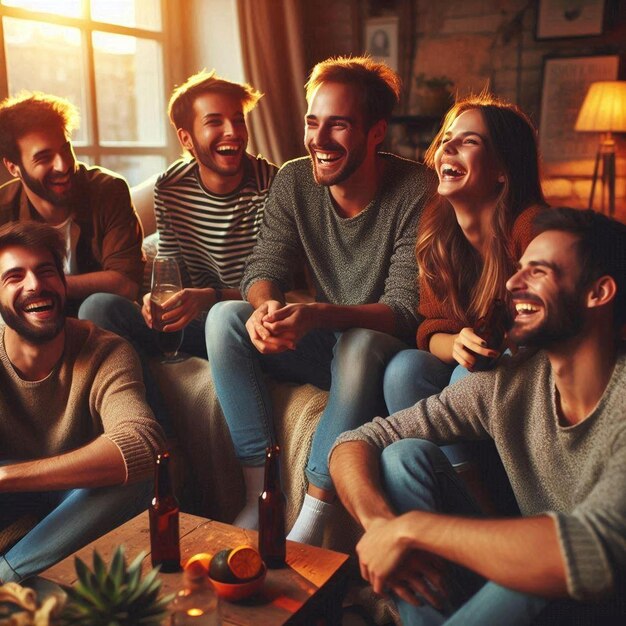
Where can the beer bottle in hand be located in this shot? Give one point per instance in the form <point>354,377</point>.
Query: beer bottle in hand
<point>492,328</point>
<point>272,546</point>
<point>164,533</point>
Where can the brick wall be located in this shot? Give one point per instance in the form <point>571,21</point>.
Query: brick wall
<point>475,43</point>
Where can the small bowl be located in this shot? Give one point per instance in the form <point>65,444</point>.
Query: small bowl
<point>239,591</point>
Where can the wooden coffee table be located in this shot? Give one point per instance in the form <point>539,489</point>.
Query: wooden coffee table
<point>308,591</point>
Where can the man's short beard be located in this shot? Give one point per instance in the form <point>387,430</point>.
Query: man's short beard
<point>205,157</point>
<point>352,164</point>
<point>35,336</point>
<point>563,323</point>
<point>39,189</point>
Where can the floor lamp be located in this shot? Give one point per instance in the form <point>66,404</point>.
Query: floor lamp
<point>604,111</point>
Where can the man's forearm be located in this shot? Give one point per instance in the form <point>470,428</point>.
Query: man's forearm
<point>262,291</point>
<point>522,554</point>
<point>80,286</point>
<point>355,470</point>
<point>375,316</point>
<point>98,464</point>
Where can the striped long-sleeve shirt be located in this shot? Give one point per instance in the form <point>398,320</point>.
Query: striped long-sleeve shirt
<point>211,235</point>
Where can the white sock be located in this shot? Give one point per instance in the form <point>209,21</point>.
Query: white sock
<point>309,527</point>
<point>253,478</point>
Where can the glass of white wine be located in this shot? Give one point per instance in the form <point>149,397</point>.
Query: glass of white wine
<point>165,283</point>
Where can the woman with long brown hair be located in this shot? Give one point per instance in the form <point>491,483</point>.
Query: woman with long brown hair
<point>470,237</point>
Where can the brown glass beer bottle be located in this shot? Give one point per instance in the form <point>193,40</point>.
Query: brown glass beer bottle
<point>164,532</point>
<point>272,545</point>
<point>492,328</point>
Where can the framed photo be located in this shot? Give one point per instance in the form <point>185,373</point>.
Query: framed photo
<point>569,18</point>
<point>565,84</point>
<point>381,40</point>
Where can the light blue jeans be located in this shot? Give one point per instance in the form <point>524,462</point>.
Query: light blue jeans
<point>416,475</point>
<point>413,375</point>
<point>123,317</point>
<point>69,520</point>
<point>349,364</point>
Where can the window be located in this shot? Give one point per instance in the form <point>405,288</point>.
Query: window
<point>106,56</point>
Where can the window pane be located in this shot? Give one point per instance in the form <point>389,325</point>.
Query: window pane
<point>134,169</point>
<point>33,50</point>
<point>57,7</point>
<point>84,158</point>
<point>132,13</point>
<point>129,90</point>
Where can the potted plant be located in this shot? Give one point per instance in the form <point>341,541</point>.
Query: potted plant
<point>117,596</point>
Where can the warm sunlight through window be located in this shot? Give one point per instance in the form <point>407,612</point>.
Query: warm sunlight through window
<point>106,56</point>
<point>68,8</point>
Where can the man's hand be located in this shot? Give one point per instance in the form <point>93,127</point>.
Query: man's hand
<point>262,337</point>
<point>180,308</point>
<point>467,342</point>
<point>292,321</point>
<point>388,561</point>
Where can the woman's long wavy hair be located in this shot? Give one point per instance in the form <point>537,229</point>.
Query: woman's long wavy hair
<point>453,269</point>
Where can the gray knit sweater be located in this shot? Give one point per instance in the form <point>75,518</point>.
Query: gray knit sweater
<point>576,474</point>
<point>364,259</point>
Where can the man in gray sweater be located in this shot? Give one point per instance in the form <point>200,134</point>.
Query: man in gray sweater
<point>350,213</point>
<point>557,418</point>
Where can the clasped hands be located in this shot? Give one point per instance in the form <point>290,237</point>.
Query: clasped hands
<point>390,563</point>
<point>275,327</point>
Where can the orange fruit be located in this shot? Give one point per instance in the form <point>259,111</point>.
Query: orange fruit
<point>245,562</point>
<point>202,558</point>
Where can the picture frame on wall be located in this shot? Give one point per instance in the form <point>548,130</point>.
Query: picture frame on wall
<point>569,18</point>
<point>564,86</point>
<point>381,40</point>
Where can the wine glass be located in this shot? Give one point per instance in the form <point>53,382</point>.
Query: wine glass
<point>165,283</point>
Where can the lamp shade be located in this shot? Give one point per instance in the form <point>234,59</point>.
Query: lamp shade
<point>604,108</point>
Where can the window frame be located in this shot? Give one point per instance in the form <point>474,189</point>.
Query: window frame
<point>93,148</point>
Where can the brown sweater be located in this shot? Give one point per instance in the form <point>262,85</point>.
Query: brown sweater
<point>95,389</point>
<point>438,317</point>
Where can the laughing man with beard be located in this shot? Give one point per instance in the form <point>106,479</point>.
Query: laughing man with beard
<point>350,213</point>
<point>77,440</point>
<point>556,414</point>
<point>89,206</point>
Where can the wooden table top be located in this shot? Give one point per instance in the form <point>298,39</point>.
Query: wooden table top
<point>285,592</point>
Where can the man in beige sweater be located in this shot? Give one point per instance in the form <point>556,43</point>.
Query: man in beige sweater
<point>77,440</point>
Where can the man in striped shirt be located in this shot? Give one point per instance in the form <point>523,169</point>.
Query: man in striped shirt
<point>209,205</point>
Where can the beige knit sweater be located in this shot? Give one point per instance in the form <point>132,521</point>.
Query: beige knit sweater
<point>95,389</point>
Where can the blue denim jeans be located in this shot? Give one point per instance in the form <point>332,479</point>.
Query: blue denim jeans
<point>349,364</point>
<point>123,317</point>
<point>416,475</point>
<point>413,375</point>
<point>69,520</point>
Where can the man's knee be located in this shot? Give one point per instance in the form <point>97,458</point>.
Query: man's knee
<point>106,310</point>
<point>361,348</point>
<point>224,317</point>
<point>410,456</point>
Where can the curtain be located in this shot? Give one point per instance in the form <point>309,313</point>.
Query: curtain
<point>273,60</point>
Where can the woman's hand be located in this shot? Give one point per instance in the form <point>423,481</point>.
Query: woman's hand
<point>467,345</point>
